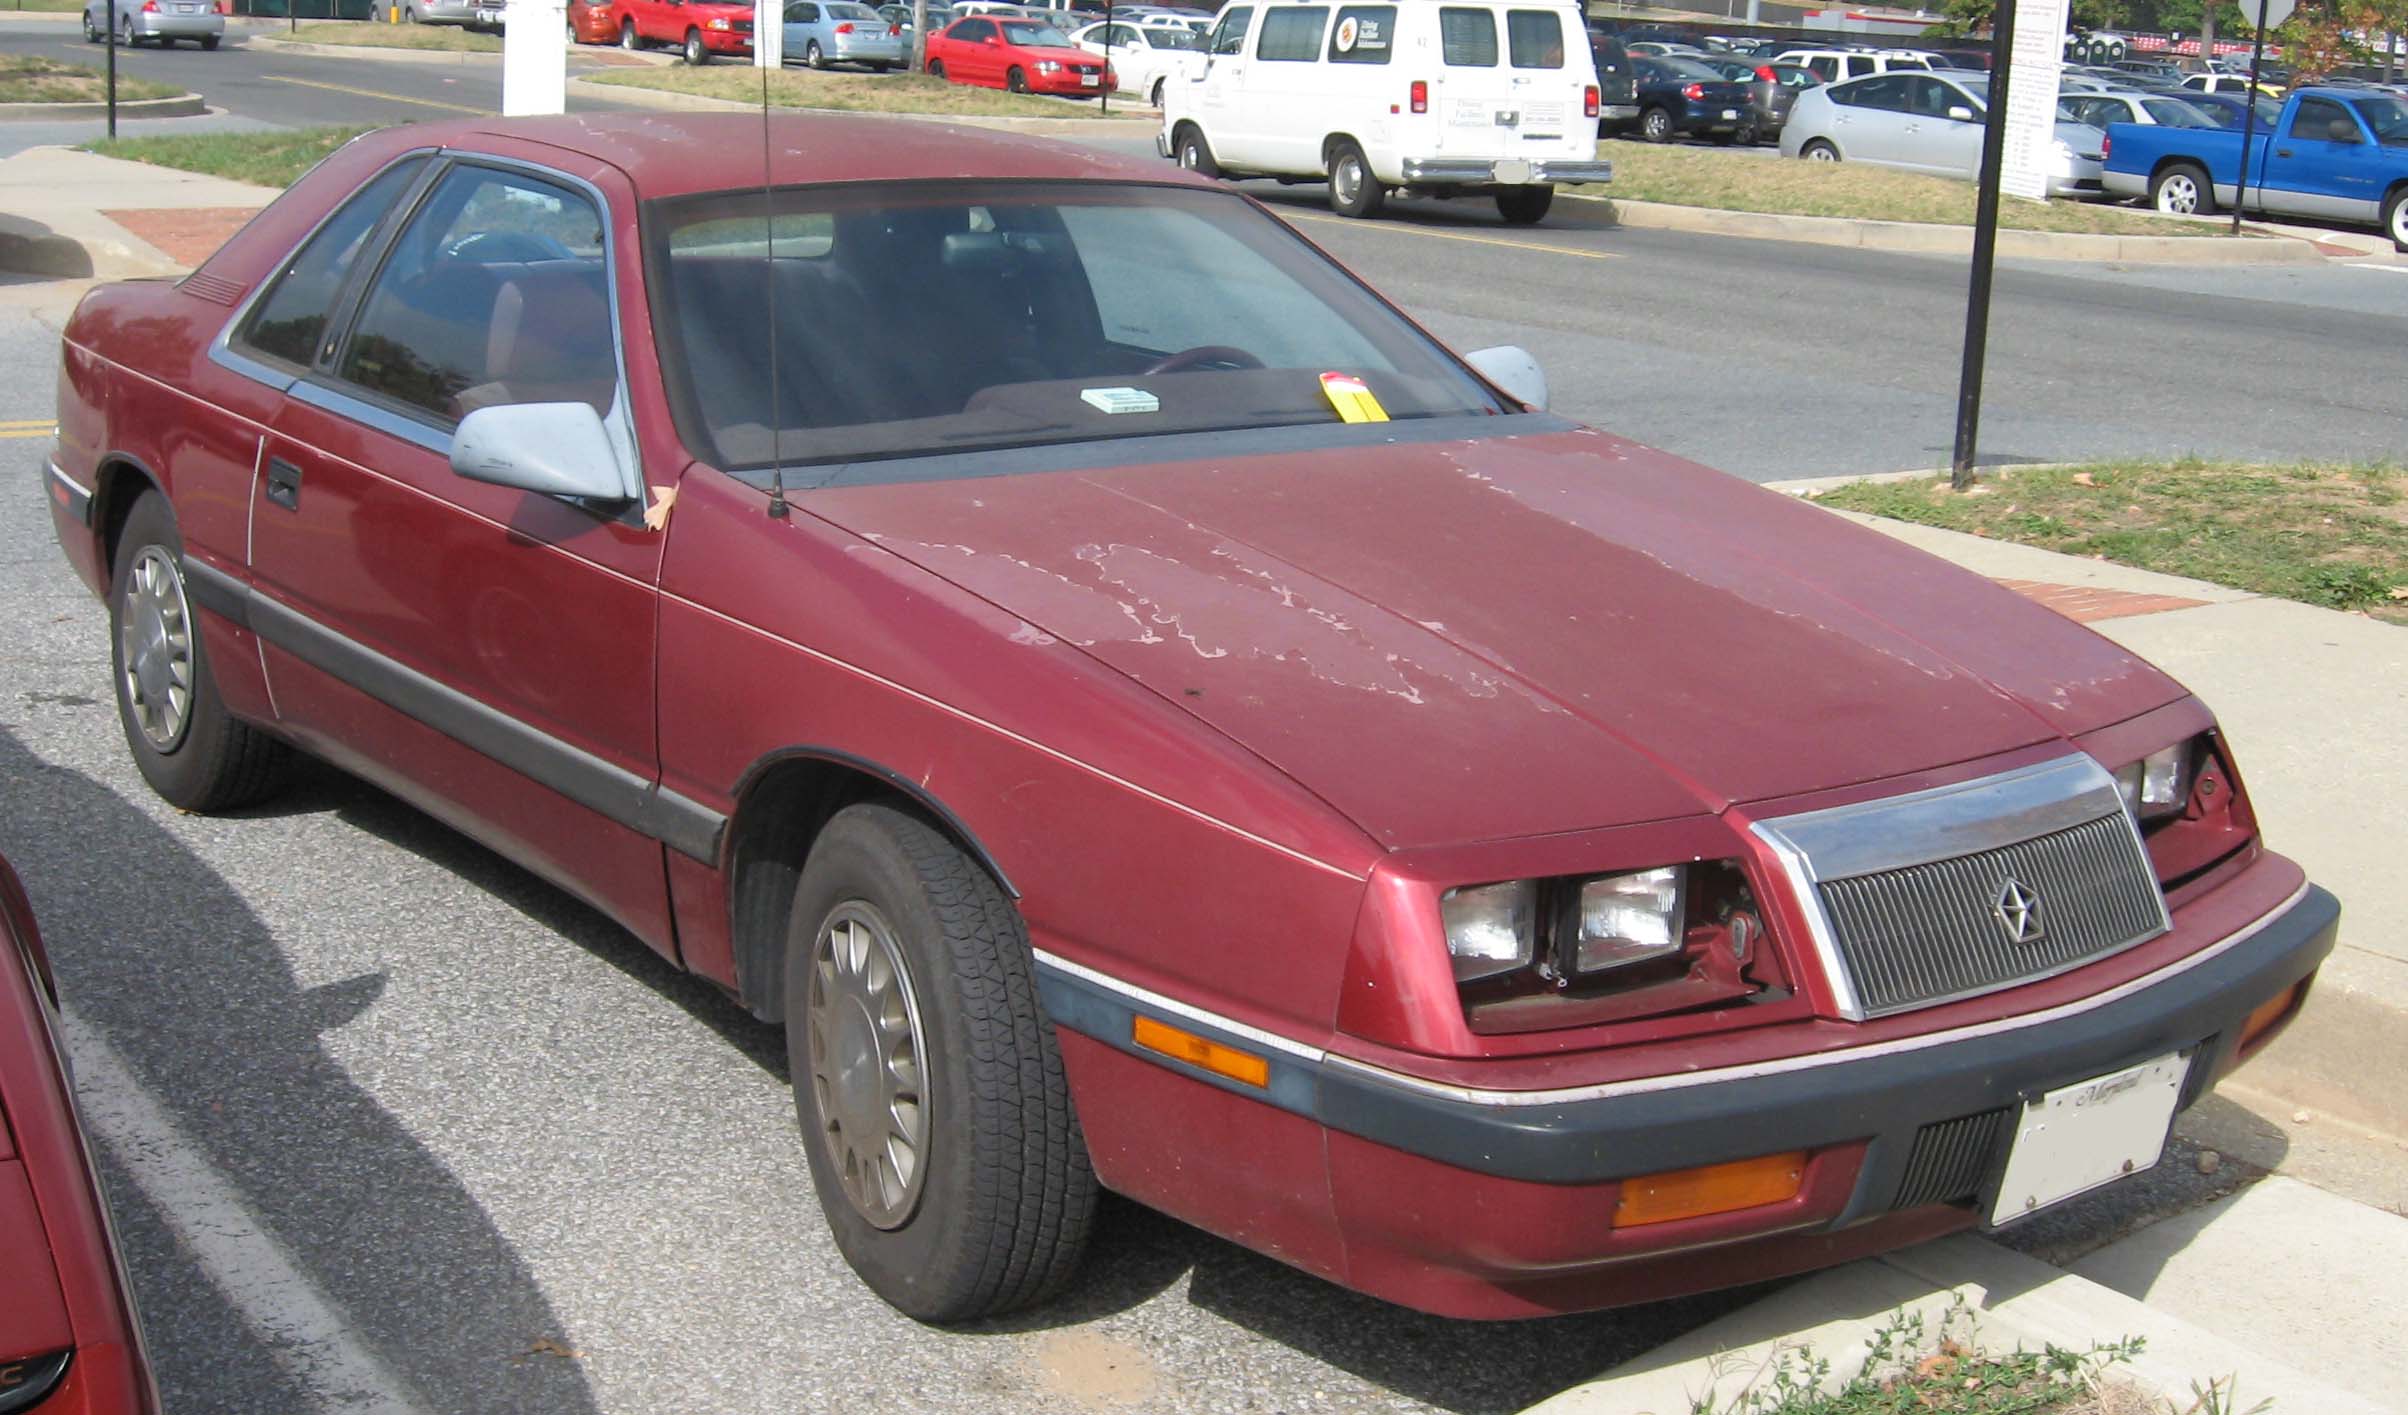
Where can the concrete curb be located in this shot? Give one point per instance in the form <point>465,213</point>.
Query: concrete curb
<point>183,105</point>
<point>384,53</point>
<point>1034,127</point>
<point>1918,238</point>
<point>2005,1298</point>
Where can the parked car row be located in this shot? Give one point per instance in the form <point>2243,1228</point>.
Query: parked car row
<point>2333,153</point>
<point>1930,122</point>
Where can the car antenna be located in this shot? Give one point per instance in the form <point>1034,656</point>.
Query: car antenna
<point>769,270</point>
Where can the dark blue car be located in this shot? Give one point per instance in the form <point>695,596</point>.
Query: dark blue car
<point>1679,95</point>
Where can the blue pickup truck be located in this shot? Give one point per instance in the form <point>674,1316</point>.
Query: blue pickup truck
<point>2336,153</point>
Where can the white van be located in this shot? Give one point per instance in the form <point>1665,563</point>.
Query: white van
<point>1436,97</point>
<point>1832,65</point>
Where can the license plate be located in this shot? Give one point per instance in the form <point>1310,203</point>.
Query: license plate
<point>1730,113</point>
<point>1090,80</point>
<point>2076,1138</point>
<point>1513,173</point>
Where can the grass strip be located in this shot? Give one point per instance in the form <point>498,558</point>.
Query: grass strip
<point>271,159</point>
<point>48,7</point>
<point>2322,533</point>
<point>369,34</point>
<point>26,79</point>
<point>853,93</point>
<point>1739,181</point>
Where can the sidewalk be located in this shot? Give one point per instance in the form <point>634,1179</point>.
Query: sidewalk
<point>79,215</point>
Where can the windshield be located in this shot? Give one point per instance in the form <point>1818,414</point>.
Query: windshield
<point>1033,34</point>
<point>2388,117</point>
<point>927,318</point>
<point>1173,38</point>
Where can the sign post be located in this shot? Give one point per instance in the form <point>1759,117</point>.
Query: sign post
<point>2262,13</point>
<point>2003,78</point>
<point>535,57</point>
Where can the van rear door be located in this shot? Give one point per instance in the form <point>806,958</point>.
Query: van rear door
<point>1511,83</point>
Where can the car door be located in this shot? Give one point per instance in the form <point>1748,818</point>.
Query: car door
<point>486,652</point>
<point>1866,117</point>
<point>2323,164</point>
<point>801,27</point>
<point>1932,141</point>
<point>1221,102</point>
<point>1288,110</point>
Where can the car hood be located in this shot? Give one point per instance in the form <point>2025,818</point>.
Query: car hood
<point>1453,641</point>
<point>1071,55</point>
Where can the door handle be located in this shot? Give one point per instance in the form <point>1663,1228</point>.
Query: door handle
<point>2282,152</point>
<point>284,484</point>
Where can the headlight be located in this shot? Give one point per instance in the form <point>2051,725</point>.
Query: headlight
<point>1048,66</point>
<point>716,24</point>
<point>1629,919</point>
<point>2157,784</point>
<point>1490,928</point>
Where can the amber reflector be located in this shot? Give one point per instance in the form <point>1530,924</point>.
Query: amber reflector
<point>1196,1051</point>
<point>2269,1012</point>
<point>1712,1189</point>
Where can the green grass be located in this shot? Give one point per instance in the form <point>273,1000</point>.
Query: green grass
<point>370,34</point>
<point>49,7</point>
<point>271,159</point>
<point>1738,181</point>
<point>2320,533</point>
<point>856,93</point>
<point>25,79</point>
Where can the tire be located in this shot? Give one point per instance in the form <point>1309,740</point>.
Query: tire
<point>1745,136</point>
<point>812,57</point>
<point>2395,218</point>
<point>1655,125</point>
<point>2182,190</point>
<point>91,30</point>
<point>1016,80</point>
<point>189,748</point>
<point>629,40</point>
<point>1817,150</point>
<point>996,1208</point>
<point>1525,206</point>
<point>936,68</point>
<point>1353,190</point>
<point>1195,154</point>
<point>695,52</point>
<point>208,41</point>
<point>1154,99</point>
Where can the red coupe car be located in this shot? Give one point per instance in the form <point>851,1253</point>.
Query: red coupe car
<point>69,1340</point>
<point>1162,721</point>
<point>1025,56</point>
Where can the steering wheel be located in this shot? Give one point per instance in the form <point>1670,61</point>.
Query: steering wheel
<point>489,247</point>
<point>1221,355</point>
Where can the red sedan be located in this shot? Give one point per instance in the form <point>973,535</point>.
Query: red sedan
<point>69,1341</point>
<point>593,22</point>
<point>1025,56</point>
<point>1169,724</point>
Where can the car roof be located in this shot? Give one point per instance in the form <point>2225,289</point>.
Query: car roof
<point>675,154</point>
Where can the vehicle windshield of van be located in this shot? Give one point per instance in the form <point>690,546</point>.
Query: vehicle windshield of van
<point>919,318</point>
<point>1034,34</point>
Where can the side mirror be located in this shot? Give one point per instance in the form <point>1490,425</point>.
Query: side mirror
<point>556,449</point>
<point>1958,112</point>
<point>1510,367</point>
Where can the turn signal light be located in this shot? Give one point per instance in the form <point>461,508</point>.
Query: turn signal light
<point>1421,95</point>
<point>1242,1067</point>
<point>1710,1189</point>
<point>1588,101</point>
<point>2261,1020</point>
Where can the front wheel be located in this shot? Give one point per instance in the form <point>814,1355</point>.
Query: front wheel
<point>209,41</point>
<point>91,30</point>
<point>187,746</point>
<point>1155,96</point>
<point>695,51</point>
<point>1819,151</point>
<point>1525,206</point>
<point>629,40</point>
<point>1353,190</point>
<point>2182,190</point>
<point>1655,125</point>
<point>935,1116</point>
<point>1195,154</point>
<point>1016,80</point>
<point>936,68</point>
<point>2395,218</point>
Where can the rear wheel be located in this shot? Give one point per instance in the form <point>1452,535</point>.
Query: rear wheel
<point>2395,218</point>
<point>628,39</point>
<point>209,41</point>
<point>185,743</point>
<point>2182,190</point>
<point>1016,80</point>
<point>91,30</point>
<point>1655,125</point>
<point>1195,154</point>
<point>695,51</point>
<point>1819,151</point>
<point>1525,206</point>
<point>1155,97</point>
<point>935,1117</point>
<point>812,56</point>
<point>1353,190</point>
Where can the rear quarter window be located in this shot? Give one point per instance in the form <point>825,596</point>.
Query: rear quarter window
<point>1467,39</point>
<point>1534,39</point>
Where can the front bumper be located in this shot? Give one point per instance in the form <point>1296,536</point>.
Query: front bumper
<point>1507,172</point>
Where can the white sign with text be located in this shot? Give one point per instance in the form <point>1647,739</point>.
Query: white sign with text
<point>535,56</point>
<point>2034,51</point>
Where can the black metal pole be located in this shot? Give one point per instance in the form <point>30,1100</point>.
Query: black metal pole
<point>2249,98</point>
<point>1985,247</point>
<point>113,70</point>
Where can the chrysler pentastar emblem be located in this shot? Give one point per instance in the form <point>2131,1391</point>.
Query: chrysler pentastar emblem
<point>2018,911</point>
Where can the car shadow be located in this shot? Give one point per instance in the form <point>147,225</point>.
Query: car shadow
<point>1311,199</point>
<point>163,962</point>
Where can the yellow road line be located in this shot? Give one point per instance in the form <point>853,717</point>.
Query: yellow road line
<point>388,97</point>
<point>43,423</point>
<point>1395,229</point>
<point>9,432</point>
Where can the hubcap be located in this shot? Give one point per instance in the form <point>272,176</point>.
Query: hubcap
<point>154,649</point>
<point>866,1073</point>
<point>1349,179</point>
<point>1823,154</point>
<point>2180,197</point>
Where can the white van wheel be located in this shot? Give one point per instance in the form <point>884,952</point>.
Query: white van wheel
<point>1353,191</point>
<point>1195,154</point>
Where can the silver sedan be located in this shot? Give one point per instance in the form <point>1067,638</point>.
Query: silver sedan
<point>1925,122</point>
<point>160,22</point>
<point>824,32</point>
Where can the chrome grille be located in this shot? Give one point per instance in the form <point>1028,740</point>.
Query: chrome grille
<point>1926,932</point>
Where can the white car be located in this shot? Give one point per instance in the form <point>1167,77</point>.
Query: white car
<point>2099,109</point>
<point>1833,65</point>
<point>1145,57</point>
<point>1929,123</point>
<point>1484,98</point>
